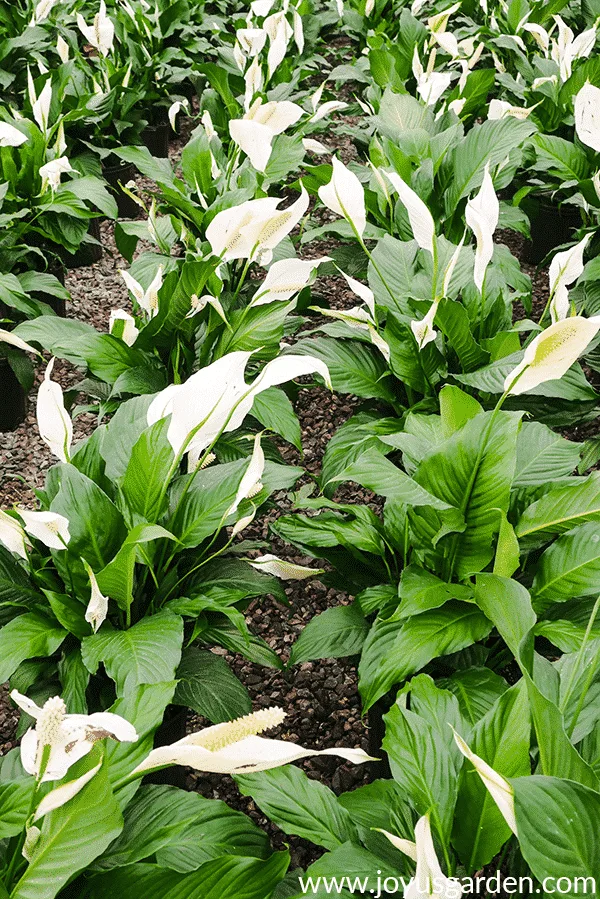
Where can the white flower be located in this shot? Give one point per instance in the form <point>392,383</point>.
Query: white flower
<point>51,172</point>
<point>327,108</point>
<point>40,106</point>
<point>54,422</point>
<point>481,214</point>
<point>11,136</point>
<point>97,608</point>
<point>122,325</point>
<point>13,340</point>
<point>361,290</point>
<point>254,139</point>
<point>253,80</point>
<point>345,196</point>
<point>500,109</point>
<point>369,7</point>
<point>565,268</point>
<point>251,40</point>
<point>250,485</point>
<point>12,535</point>
<point>69,737</point>
<point>552,353</point>
<point>314,146</point>
<point>51,528</point>
<point>57,798</point>
<point>419,216</point>
<point>287,571</point>
<point>587,116</point>
<point>253,229</point>
<point>430,85</point>
<point>499,788</point>
<point>280,32</point>
<point>539,34</point>
<point>284,279</point>
<point>101,34</point>
<point>174,110</point>
<point>216,399</point>
<point>429,881</point>
<point>567,48</point>
<point>62,48</point>
<point>42,11</point>
<point>277,115</point>
<point>235,748</point>
<point>199,303</point>
<point>423,329</point>
<point>146,299</point>
<point>261,8</point>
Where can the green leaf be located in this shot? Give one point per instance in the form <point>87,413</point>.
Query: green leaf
<point>473,471</point>
<point>456,409</point>
<point>147,653</point>
<point>299,805</point>
<point>15,805</point>
<point>560,158</point>
<point>508,604</point>
<point>144,484</point>
<point>334,634</point>
<point>562,508</point>
<point>543,455</point>
<point>420,591</point>
<point>501,738</point>
<point>569,568</point>
<point>209,687</point>
<point>274,411</point>
<point>15,586</point>
<point>117,578</point>
<point>27,636</point>
<point>476,689</point>
<point>244,878</point>
<point>557,756</point>
<point>558,824</point>
<point>490,142</point>
<point>395,649</point>
<point>204,505</point>
<point>354,367</point>
<point>218,832</point>
<point>96,526</point>
<point>423,766</point>
<point>72,837</point>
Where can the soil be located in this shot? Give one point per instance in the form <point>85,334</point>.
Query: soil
<point>321,698</point>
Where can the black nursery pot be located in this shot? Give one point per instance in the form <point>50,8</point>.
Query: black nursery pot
<point>13,408</point>
<point>156,138</point>
<point>172,729</point>
<point>121,172</point>
<point>551,226</point>
<point>88,253</point>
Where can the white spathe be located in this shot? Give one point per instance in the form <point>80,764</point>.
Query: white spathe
<point>552,353</point>
<point>565,268</point>
<point>146,299</point>
<point>429,881</point>
<point>253,229</point>
<point>11,136</point>
<point>235,748</point>
<point>286,571</point>
<point>50,528</point>
<point>419,216</point>
<point>587,116</point>
<point>286,278</point>
<point>101,34</point>
<point>498,787</point>
<point>51,172</point>
<point>97,607</point>
<point>54,422</point>
<point>123,325</point>
<point>69,737</point>
<point>216,399</point>
<point>482,214</point>
<point>345,196</point>
<point>12,535</point>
